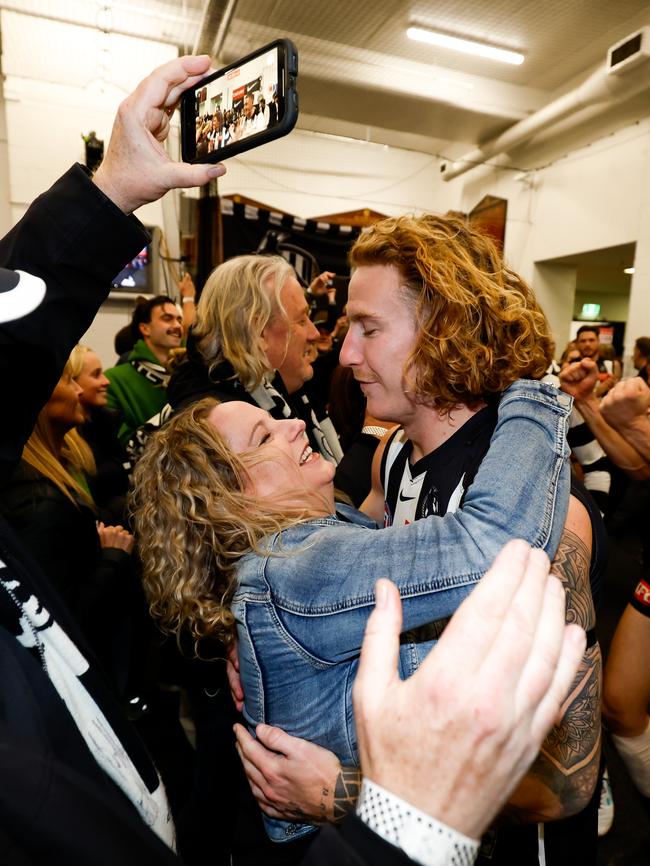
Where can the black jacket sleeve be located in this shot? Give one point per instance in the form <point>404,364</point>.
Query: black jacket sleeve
<point>76,240</point>
<point>353,843</point>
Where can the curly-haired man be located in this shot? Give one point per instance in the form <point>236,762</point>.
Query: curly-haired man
<point>439,328</point>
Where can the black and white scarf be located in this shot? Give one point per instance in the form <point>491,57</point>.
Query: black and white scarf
<point>155,373</point>
<point>37,630</point>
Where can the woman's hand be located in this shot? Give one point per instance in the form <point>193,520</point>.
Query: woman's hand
<point>115,536</point>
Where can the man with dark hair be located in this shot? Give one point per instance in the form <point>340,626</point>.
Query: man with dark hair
<point>588,342</point>
<point>641,356</point>
<point>138,388</point>
<point>250,121</point>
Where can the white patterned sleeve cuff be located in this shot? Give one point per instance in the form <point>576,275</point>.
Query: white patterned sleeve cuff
<point>421,837</point>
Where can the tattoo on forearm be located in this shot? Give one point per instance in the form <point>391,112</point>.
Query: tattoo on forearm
<point>574,743</point>
<point>346,792</point>
<point>567,765</point>
<point>571,565</point>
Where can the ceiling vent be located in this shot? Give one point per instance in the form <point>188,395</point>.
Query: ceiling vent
<point>629,52</point>
<point>622,76</point>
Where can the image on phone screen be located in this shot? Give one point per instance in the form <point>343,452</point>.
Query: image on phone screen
<point>244,102</point>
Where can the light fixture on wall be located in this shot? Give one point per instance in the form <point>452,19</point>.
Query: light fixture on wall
<point>466,46</point>
<point>628,270</point>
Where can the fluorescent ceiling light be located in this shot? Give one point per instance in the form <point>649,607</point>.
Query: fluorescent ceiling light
<point>628,270</point>
<point>467,46</point>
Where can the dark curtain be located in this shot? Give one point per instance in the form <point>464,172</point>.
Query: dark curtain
<point>244,227</point>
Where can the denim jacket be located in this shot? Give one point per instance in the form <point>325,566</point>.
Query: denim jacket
<point>302,604</point>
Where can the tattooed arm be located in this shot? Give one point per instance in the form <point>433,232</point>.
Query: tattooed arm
<point>294,779</point>
<point>562,779</point>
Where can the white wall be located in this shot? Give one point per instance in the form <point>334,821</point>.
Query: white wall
<point>639,314</point>
<point>555,286</point>
<point>5,211</point>
<point>113,315</point>
<point>61,81</point>
<point>597,196</point>
<point>310,174</point>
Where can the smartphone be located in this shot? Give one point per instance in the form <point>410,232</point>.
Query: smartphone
<point>242,106</point>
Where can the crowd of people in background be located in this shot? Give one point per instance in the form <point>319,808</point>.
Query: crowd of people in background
<point>192,537</point>
<point>216,130</point>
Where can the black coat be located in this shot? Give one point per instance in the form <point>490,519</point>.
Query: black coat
<point>96,584</point>
<point>110,483</point>
<point>57,806</point>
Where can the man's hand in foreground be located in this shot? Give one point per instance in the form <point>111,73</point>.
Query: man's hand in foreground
<point>136,168</point>
<point>456,737</point>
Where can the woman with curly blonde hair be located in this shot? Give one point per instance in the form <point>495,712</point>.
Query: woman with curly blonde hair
<point>237,528</point>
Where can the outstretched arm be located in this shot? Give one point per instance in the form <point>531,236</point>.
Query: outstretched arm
<point>297,780</point>
<point>626,409</point>
<point>76,237</point>
<point>578,380</point>
<point>188,300</point>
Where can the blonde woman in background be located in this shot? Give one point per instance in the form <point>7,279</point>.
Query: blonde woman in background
<point>48,502</point>
<point>110,481</point>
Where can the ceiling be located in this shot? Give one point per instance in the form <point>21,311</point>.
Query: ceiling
<point>361,77</point>
<point>359,74</point>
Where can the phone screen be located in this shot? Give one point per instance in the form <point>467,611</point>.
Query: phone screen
<point>241,104</point>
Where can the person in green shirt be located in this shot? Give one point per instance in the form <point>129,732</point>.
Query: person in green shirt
<point>138,388</point>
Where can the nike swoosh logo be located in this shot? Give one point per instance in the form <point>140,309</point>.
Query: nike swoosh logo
<point>405,498</point>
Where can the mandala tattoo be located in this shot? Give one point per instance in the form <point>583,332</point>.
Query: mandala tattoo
<point>571,565</point>
<point>568,761</point>
<point>573,744</point>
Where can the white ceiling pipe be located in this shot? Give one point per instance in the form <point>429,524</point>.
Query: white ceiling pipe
<point>601,88</point>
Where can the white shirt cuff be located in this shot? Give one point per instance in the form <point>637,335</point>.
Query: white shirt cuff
<point>421,837</point>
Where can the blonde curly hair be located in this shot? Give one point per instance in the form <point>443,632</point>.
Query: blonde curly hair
<point>479,324</point>
<point>194,518</point>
